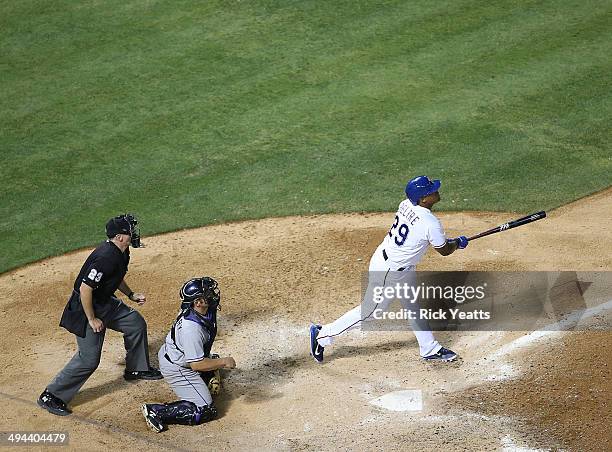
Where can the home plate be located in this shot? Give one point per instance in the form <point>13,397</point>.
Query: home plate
<point>407,400</point>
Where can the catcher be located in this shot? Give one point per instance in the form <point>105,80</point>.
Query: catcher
<point>185,360</point>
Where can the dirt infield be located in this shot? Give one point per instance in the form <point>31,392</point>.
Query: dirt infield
<point>276,276</point>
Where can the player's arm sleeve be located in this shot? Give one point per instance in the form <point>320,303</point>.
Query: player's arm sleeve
<point>97,272</point>
<point>194,341</point>
<point>436,235</point>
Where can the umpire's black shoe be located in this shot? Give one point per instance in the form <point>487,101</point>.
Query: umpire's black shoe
<point>151,374</point>
<point>53,404</point>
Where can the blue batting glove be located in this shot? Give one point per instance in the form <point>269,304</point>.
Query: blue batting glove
<point>462,241</point>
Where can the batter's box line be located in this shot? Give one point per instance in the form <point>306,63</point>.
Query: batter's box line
<point>551,329</point>
<point>98,424</point>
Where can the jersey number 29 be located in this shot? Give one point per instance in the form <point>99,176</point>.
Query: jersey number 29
<point>402,232</point>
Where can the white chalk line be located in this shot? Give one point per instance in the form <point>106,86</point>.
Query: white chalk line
<point>509,445</point>
<point>553,329</point>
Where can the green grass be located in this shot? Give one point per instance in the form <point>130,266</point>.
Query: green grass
<point>192,112</point>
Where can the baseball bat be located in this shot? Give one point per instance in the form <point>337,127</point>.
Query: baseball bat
<point>511,224</point>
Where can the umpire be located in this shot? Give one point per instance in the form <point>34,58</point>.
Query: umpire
<point>92,307</point>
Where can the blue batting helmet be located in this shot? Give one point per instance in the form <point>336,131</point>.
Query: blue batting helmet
<point>421,186</point>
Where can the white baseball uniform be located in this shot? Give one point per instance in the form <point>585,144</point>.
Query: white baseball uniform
<point>394,261</point>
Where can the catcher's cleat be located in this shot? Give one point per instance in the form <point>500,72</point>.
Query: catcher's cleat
<point>315,349</point>
<point>151,418</point>
<point>53,404</point>
<point>444,354</point>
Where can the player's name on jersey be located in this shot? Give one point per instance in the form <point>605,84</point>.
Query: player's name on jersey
<point>431,314</point>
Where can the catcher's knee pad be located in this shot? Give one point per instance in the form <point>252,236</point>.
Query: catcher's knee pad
<point>184,412</point>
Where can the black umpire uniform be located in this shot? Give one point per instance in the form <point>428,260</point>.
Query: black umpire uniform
<point>103,272</point>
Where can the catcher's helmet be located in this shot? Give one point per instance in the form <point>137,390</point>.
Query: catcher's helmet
<point>124,224</point>
<point>421,186</point>
<point>196,288</point>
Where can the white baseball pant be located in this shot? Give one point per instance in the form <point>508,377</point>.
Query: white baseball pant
<point>382,273</point>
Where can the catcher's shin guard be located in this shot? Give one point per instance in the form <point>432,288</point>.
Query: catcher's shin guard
<point>183,412</point>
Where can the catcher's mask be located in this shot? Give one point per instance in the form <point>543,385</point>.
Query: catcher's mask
<point>125,224</point>
<point>196,288</point>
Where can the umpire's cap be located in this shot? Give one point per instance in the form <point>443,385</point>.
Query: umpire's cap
<point>119,225</point>
<point>125,224</point>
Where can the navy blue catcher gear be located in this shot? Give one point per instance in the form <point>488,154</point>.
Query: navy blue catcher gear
<point>196,288</point>
<point>208,322</point>
<point>181,412</point>
<point>199,288</point>
<point>419,187</point>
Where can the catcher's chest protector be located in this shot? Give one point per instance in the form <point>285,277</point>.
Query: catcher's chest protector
<point>208,322</point>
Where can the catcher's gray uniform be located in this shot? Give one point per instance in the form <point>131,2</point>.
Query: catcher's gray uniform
<point>188,341</point>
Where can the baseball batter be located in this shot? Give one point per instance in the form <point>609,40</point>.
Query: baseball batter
<point>185,360</point>
<point>394,261</point>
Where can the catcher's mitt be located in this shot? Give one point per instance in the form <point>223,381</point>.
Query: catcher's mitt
<point>214,384</point>
<point>212,378</point>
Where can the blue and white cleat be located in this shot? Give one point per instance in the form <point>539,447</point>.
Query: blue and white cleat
<point>444,354</point>
<point>315,349</point>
